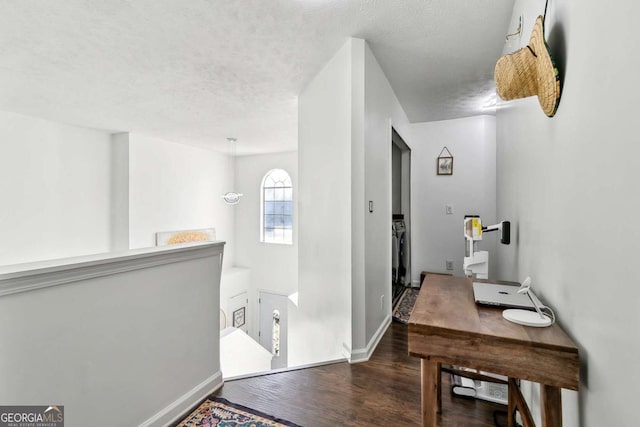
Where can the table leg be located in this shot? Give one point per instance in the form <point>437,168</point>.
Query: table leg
<point>551,406</point>
<point>511,406</point>
<point>430,392</point>
<point>439,387</point>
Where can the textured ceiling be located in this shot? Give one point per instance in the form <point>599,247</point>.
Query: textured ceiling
<point>198,71</point>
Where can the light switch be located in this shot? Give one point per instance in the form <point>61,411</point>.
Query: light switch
<point>448,209</point>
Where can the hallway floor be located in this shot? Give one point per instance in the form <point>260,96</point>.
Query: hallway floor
<point>385,391</point>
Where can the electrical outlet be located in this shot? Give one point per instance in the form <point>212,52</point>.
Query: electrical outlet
<point>449,264</point>
<point>448,209</point>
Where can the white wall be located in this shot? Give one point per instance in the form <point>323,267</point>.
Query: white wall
<point>274,267</point>
<point>176,187</point>
<point>74,191</point>
<point>119,191</point>
<point>106,332</point>
<point>570,184</point>
<point>324,206</point>
<point>345,118</point>
<point>54,187</point>
<point>358,201</point>
<point>471,189</point>
<point>234,282</point>
<point>382,110</point>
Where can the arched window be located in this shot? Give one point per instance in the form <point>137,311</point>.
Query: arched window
<point>276,218</point>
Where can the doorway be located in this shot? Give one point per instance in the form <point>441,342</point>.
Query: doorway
<point>273,331</point>
<point>401,215</point>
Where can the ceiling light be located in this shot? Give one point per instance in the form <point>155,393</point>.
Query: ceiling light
<point>231,197</point>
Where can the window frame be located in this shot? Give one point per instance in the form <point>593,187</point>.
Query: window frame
<point>286,180</point>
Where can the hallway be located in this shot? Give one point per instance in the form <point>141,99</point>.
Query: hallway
<point>383,391</point>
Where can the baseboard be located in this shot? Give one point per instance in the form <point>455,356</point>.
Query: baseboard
<point>360,355</point>
<point>185,403</point>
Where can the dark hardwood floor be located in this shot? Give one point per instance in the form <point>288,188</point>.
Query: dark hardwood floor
<point>385,391</point>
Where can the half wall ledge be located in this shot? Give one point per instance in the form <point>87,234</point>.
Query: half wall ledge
<point>95,333</point>
<point>26,277</point>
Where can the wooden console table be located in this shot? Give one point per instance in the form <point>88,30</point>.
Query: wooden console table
<point>447,326</point>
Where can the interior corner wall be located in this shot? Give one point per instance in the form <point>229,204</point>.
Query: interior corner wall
<point>437,236</point>
<point>359,308</point>
<point>324,206</point>
<point>54,187</point>
<point>570,186</point>
<point>178,187</point>
<point>382,110</point>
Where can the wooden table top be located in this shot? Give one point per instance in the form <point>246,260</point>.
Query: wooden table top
<point>446,311</point>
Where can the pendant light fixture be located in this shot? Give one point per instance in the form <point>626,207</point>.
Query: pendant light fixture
<point>232,198</point>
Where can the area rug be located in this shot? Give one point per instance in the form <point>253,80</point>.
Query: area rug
<point>404,307</point>
<point>219,412</point>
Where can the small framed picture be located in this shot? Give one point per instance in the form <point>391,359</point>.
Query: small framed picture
<point>238,317</point>
<point>445,163</point>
